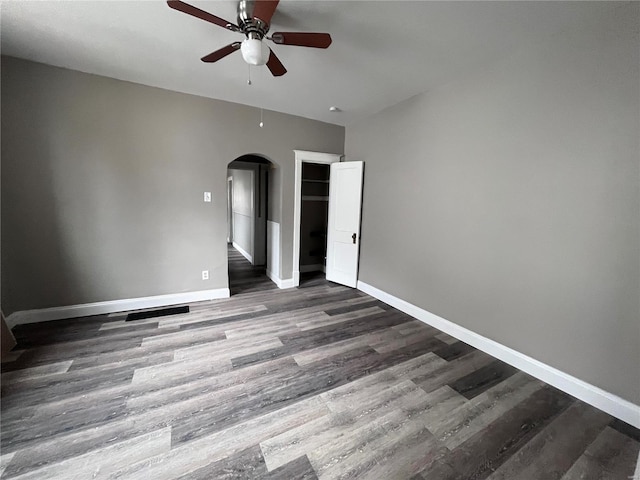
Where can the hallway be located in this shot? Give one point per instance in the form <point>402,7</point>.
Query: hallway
<point>244,277</point>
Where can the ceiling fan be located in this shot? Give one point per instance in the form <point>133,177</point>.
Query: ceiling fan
<point>254,17</point>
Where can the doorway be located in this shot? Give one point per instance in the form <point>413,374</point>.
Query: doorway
<point>247,210</point>
<point>311,200</point>
<point>314,218</point>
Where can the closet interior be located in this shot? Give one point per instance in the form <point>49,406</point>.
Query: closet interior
<point>314,217</point>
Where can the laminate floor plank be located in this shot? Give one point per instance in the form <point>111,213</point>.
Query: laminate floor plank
<point>452,350</point>
<point>349,308</point>
<point>251,378</point>
<point>316,304</point>
<point>626,429</point>
<point>247,463</point>
<point>215,315</point>
<point>306,357</point>
<point>448,339</point>
<point>315,435</point>
<point>226,349</point>
<point>611,455</point>
<point>350,328</point>
<point>100,463</point>
<point>574,429</point>
<point>82,379</point>
<point>326,320</point>
<point>484,452</point>
<point>182,339</point>
<point>35,372</point>
<point>59,353</point>
<point>452,371</point>
<point>191,456</point>
<point>89,336</point>
<point>418,367</point>
<point>482,379</point>
<point>316,382</point>
<point>400,341</point>
<point>38,428</point>
<point>357,453</point>
<point>412,326</point>
<point>28,397</point>
<point>476,414</point>
<point>141,355</point>
<point>300,469</point>
<point>4,461</point>
<point>10,358</point>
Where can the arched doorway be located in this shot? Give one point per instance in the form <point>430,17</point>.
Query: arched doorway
<point>248,193</point>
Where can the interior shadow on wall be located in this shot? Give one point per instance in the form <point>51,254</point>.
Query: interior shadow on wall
<point>45,243</point>
<point>248,195</point>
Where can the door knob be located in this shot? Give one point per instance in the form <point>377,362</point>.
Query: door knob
<point>354,238</point>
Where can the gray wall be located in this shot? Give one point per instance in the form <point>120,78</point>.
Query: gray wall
<point>102,185</point>
<point>508,202</point>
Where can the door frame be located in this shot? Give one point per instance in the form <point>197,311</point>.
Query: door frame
<point>229,210</point>
<point>303,156</point>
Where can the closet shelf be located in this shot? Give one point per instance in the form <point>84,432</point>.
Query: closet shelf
<point>314,181</point>
<point>315,198</point>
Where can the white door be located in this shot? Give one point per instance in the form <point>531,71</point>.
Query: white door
<point>343,232</point>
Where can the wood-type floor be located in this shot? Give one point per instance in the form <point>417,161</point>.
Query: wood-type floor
<point>315,382</point>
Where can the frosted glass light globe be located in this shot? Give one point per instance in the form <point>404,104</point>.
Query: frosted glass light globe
<point>254,51</point>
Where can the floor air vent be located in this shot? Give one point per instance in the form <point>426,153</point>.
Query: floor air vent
<point>161,312</point>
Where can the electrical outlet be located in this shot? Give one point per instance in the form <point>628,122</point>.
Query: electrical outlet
<point>205,274</point>
<point>207,196</point>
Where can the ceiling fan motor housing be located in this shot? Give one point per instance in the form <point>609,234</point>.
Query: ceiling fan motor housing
<point>250,26</point>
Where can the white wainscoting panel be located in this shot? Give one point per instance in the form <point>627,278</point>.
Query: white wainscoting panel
<point>273,256</point>
<point>273,249</point>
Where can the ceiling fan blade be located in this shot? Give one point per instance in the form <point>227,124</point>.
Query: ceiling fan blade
<point>264,9</point>
<point>316,40</point>
<point>275,65</point>
<point>201,14</point>
<point>223,52</point>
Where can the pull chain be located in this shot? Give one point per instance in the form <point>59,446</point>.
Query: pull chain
<point>248,74</point>
<point>261,122</point>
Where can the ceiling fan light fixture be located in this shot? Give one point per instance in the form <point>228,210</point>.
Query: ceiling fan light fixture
<point>254,51</point>
<point>254,20</point>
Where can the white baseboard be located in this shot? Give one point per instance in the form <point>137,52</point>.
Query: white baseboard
<point>244,253</point>
<point>312,268</point>
<point>274,278</point>
<point>286,283</point>
<point>112,306</point>
<point>599,398</point>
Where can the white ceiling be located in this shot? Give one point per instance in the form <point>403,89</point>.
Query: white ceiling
<point>383,51</point>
